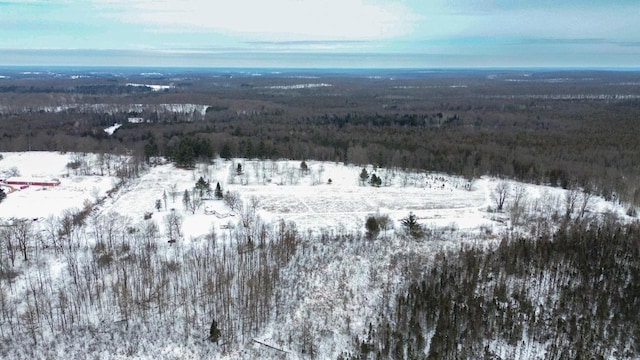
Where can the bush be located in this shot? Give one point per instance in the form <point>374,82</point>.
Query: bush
<point>373,228</point>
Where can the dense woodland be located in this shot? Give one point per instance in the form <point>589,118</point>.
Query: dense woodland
<point>574,292</point>
<point>563,128</point>
<point>569,291</point>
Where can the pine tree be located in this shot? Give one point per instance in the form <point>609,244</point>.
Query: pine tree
<point>226,152</point>
<point>151,149</point>
<point>219,194</point>
<point>375,180</point>
<point>202,186</point>
<point>214,332</point>
<point>364,175</point>
<point>410,223</point>
<point>261,152</point>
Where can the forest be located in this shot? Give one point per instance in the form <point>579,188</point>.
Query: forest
<point>568,129</point>
<point>555,275</point>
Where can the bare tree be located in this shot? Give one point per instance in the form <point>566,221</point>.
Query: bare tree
<point>164,198</point>
<point>195,203</point>
<point>173,190</point>
<point>232,200</point>
<point>385,222</point>
<point>517,206</point>
<point>21,231</point>
<point>570,201</point>
<point>6,234</point>
<point>585,200</point>
<point>173,223</point>
<point>249,217</point>
<point>501,194</point>
<point>186,200</point>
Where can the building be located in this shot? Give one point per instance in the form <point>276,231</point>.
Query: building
<point>17,181</point>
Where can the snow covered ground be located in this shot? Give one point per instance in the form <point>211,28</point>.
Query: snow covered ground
<point>41,202</point>
<point>329,290</point>
<point>326,197</point>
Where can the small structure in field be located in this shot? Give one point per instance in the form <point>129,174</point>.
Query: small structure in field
<point>18,181</point>
<point>211,211</point>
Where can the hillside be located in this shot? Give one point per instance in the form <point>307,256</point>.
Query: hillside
<point>116,263</point>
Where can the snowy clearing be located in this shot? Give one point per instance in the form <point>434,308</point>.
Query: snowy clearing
<point>328,288</point>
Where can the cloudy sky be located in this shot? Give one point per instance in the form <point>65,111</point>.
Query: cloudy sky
<point>325,33</point>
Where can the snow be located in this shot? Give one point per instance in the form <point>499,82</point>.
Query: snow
<point>325,282</point>
<point>42,202</point>
<point>152,87</point>
<point>112,129</point>
<point>299,86</point>
<point>116,108</point>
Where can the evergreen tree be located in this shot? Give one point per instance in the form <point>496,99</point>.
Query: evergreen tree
<point>304,169</point>
<point>184,155</point>
<point>226,152</point>
<point>364,175</point>
<point>219,194</point>
<point>214,332</point>
<point>239,169</point>
<point>203,187</point>
<point>410,223</point>
<point>248,150</point>
<point>261,152</point>
<point>375,180</point>
<point>151,149</point>
<point>372,226</point>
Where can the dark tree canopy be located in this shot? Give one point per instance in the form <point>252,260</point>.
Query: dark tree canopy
<point>202,186</point>
<point>225,153</point>
<point>189,150</point>
<point>372,226</point>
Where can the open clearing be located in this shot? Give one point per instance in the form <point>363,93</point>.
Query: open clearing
<point>280,189</point>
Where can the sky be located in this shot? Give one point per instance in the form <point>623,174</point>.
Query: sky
<point>321,33</point>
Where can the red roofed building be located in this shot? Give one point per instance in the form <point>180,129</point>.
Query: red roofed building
<point>30,182</point>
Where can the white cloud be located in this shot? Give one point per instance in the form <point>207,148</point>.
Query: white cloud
<point>269,20</point>
<point>508,19</point>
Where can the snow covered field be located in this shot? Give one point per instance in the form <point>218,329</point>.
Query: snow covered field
<point>281,189</point>
<point>41,202</point>
<point>327,290</point>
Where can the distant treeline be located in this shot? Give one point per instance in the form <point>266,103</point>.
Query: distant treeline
<point>471,131</point>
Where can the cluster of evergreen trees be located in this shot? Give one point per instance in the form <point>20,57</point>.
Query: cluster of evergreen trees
<point>188,150</point>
